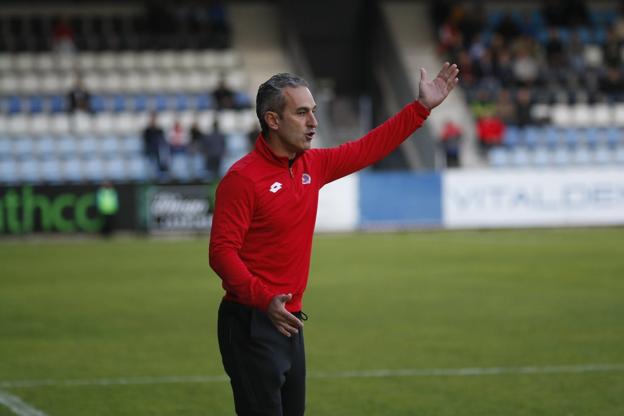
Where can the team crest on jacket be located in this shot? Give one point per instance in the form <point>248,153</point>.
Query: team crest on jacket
<point>275,187</point>
<point>306,179</point>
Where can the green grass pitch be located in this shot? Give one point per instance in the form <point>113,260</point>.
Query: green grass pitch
<point>87,315</point>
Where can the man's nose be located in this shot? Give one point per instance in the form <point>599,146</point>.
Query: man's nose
<point>312,122</point>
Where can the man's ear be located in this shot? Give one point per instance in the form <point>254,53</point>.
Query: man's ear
<point>272,120</point>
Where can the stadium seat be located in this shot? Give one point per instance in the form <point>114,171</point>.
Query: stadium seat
<point>131,144</point>
<point>71,169</point>
<point>23,147</point>
<point>497,157</point>
<point>581,156</point>
<point>513,136</point>
<point>45,146</point>
<point>109,146</point>
<point>114,168</point>
<point>28,170</point>
<point>6,147</point>
<point>181,167</point>
<point>87,146</point>
<point>138,168</point>
<point>8,171</point>
<point>618,155</point>
<point>541,157</point>
<point>50,170</point>
<point>93,169</point>
<point>601,156</point>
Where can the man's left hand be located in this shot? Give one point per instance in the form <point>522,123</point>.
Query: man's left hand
<point>432,93</point>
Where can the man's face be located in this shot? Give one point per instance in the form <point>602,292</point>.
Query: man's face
<point>296,126</point>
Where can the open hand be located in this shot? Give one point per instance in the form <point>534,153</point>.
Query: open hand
<point>432,93</point>
<point>284,321</point>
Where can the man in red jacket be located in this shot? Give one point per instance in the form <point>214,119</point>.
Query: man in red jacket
<point>261,238</point>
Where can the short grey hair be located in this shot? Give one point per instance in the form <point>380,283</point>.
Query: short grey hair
<point>270,97</point>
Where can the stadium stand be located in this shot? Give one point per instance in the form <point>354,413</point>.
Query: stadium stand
<point>561,65</point>
<point>132,60</point>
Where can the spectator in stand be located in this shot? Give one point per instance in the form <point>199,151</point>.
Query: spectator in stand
<point>508,28</point>
<point>155,145</point>
<point>524,116</point>
<point>505,106</point>
<point>490,131</point>
<point>554,49</point>
<point>612,84</point>
<point>611,49</point>
<point>177,138</point>
<point>482,106</point>
<point>576,53</point>
<point>450,139</point>
<point>63,36</point>
<point>197,137</point>
<point>224,96</point>
<point>214,148</point>
<point>78,97</point>
<point>525,65</point>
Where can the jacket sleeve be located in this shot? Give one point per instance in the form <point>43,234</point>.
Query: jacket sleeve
<point>234,206</point>
<point>352,156</point>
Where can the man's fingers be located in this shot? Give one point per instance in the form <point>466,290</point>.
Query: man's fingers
<point>444,71</point>
<point>423,75</point>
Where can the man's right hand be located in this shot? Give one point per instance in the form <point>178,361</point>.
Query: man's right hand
<point>284,321</point>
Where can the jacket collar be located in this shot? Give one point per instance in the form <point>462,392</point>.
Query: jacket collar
<point>263,148</point>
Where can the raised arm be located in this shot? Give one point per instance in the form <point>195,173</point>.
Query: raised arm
<point>378,143</point>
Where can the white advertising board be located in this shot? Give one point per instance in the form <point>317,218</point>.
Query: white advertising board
<point>516,198</point>
<point>338,209</point>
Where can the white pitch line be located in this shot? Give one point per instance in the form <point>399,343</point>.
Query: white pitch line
<point>383,373</point>
<point>18,406</point>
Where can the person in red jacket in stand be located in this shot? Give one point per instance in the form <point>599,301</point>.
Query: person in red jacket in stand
<point>261,238</point>
<point>491,131</point>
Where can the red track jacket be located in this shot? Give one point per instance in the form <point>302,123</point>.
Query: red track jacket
<point>261,238</point>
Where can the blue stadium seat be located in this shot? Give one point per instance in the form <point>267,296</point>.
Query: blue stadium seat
<point>614,136</point>
<point>118,103</point>
<point>14,104</point>
<point>8,171</point>
<point>601,155</point>
<point>109,145</point>
<point>497,157</point>
<point>204,102</point>
<point>131,144</point>
<point>581,156</point>
<point>115,169</point>
<point>160,102</point>
<point>35,104</point>
<point>23,147</point>
<point>138,168</point>
<point>87,146</point>
<point>28,169</point>
<point>93,169</point>
<point>541,157</point>
<point>6,147</point>
<point>551,136</point>
<point>66,145</point>
<point>181,167</point>
<point>46,146</point>
<point>571,137</point>
<point>50,169</point>
<point>532,136</point>
<point>97,103</point>
<point>58,104</point>
<point>140,103</point>
<point>513,136</point>
<point>71,169</point>
<point>520,157</point>
<point>182,102</point>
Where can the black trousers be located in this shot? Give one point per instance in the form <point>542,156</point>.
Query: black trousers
<point>266,369</point>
